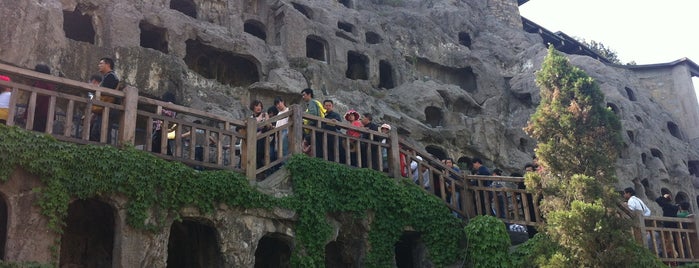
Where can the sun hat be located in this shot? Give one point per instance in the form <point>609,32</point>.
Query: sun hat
<point>352,111</point>
<point>5,78</point>
<point>386,126</point>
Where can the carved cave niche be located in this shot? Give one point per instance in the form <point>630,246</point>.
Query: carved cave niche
<point>630,94</point>
<point>465,78</point>
<point>632,137</point>
<point>436,151</point>
<point>693,167</point>
<point>638,118</point>
<point>4,214</point>
<point>372,38</point>
<point>647,190</point>
<point>434,116</point>
<point>256,29</point>
<point>78,26</point>
<point>153,37</point>
<point>674,130</point>
<point>88,236</point>
<point>465,39</point>
<point>346,26</point>
<point>644,158</point>
<point>386,75</point>
<point>316,47</point>
<point>305,10</point>
<point>409,250</point>
<point>357,66</point>
<point>193,243</point>
<point>226,67</point>
<point>613,108</point>
<point>655,152</point>
<point>187,7</point>
<point>523,145</point>
<point>681,197</point>
<point>273,250</point>
<point>347,3</point>
<point>341,254</point>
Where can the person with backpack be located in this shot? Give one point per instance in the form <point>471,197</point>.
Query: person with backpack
<point>315,108</point>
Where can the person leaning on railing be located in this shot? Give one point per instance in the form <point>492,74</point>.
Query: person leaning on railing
<point>5,93</point>
<point>109,80</point>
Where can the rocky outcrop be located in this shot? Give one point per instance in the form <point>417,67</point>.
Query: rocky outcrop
<point>456,77</point>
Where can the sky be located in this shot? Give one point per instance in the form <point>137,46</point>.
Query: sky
<point>644,31</point>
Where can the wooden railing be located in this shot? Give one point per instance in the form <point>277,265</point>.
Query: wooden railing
<point>217,142</point>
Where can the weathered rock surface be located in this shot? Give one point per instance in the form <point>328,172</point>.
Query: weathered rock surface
<point>454,76</point>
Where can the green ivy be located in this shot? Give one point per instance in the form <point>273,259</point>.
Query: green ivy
<point>488,242</point>
<point>157,190</point>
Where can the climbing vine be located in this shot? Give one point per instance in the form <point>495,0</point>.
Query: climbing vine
<point>157,190</point>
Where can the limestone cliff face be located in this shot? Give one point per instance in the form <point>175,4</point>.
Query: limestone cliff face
<point>455,76</point>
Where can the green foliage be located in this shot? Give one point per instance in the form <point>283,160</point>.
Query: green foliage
<point>602,50</point>
<point>488,242</point>
<point>578,142</point>
<point>536,252</point>
<point>157,190</point>
<point>322,188</point>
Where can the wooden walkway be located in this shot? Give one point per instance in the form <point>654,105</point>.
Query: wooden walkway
<point>218,142</point>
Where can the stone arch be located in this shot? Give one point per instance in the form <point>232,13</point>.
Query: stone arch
<point>357,66</point>
<point>88,236</point>
<point>224,66</point>
<point>273,250</point>
<point>630,94</point>
<point>465,39</point>
<point>187,7</point>
<point>386,75</point>
<point>409,250</point>
<point>345,26</point>
<point>655,152</point>
<point>315,47</point>
<point>613,107</point>
<point>347,3</point>
<point>693,166</point>
<point>78,26</point>
<point>632,137</point>
<point>674,130</point>
<point>434,116</point>
<point>305,10</point>
<point>436,151</point>
<point>153,37</point>
<point>255,28</point>
<point>372,38</point>
<point>4,215</point>
<point>193,243</point>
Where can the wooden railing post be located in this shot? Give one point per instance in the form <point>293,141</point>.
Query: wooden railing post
<point>296,132</point>
<point>641,225</point>
<point>251,149</point>
<point>127,129</point>
<point>467,197</point>
<point>394,155</point>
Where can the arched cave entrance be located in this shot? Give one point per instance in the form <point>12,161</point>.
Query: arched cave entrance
<point>436,151</point>
<point>357,66</point>
<point>255,28</point>
<point>385,75</point>
<point>4,213</point>
<point>78,26</point>
<point>409,250</point>
<point>657,153</point>
<point>372,38</point>
<point>693,166</point>
<point>315,47</point>
<point>434,116</point>
<point>340,254</point>
<point>187,7</point>
<point>273,250</point>
<point>674,130</point>
<point>193,244</point>
<point>613,107</point>
<point>632,137</point>
<point>88,237</point>
<point>345,26</point>
<point>681,197</point>
<point>465,39</point>
<point>465,78</point>
<point>224,66</point>
<point>630,94</point>
<point>306,11</point>
<point>346,3</point>
<point>153,37</point>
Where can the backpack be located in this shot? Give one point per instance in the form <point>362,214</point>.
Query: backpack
<point>321,111</point>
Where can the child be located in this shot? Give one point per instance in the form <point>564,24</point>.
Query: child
<point>352,116</point>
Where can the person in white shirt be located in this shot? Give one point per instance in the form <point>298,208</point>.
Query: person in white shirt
<point>635,203</point>
<point>283,109</point>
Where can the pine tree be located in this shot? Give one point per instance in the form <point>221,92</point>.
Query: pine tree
<point>578,144</point>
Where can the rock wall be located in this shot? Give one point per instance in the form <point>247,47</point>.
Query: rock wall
<point>456,77</point>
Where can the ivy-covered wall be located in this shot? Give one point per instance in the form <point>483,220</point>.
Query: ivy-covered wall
<point>157,191</point>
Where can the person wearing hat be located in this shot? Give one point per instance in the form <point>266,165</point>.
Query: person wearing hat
<point>352,116</point>
<point>385,129</point>
<point>5,99</point>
